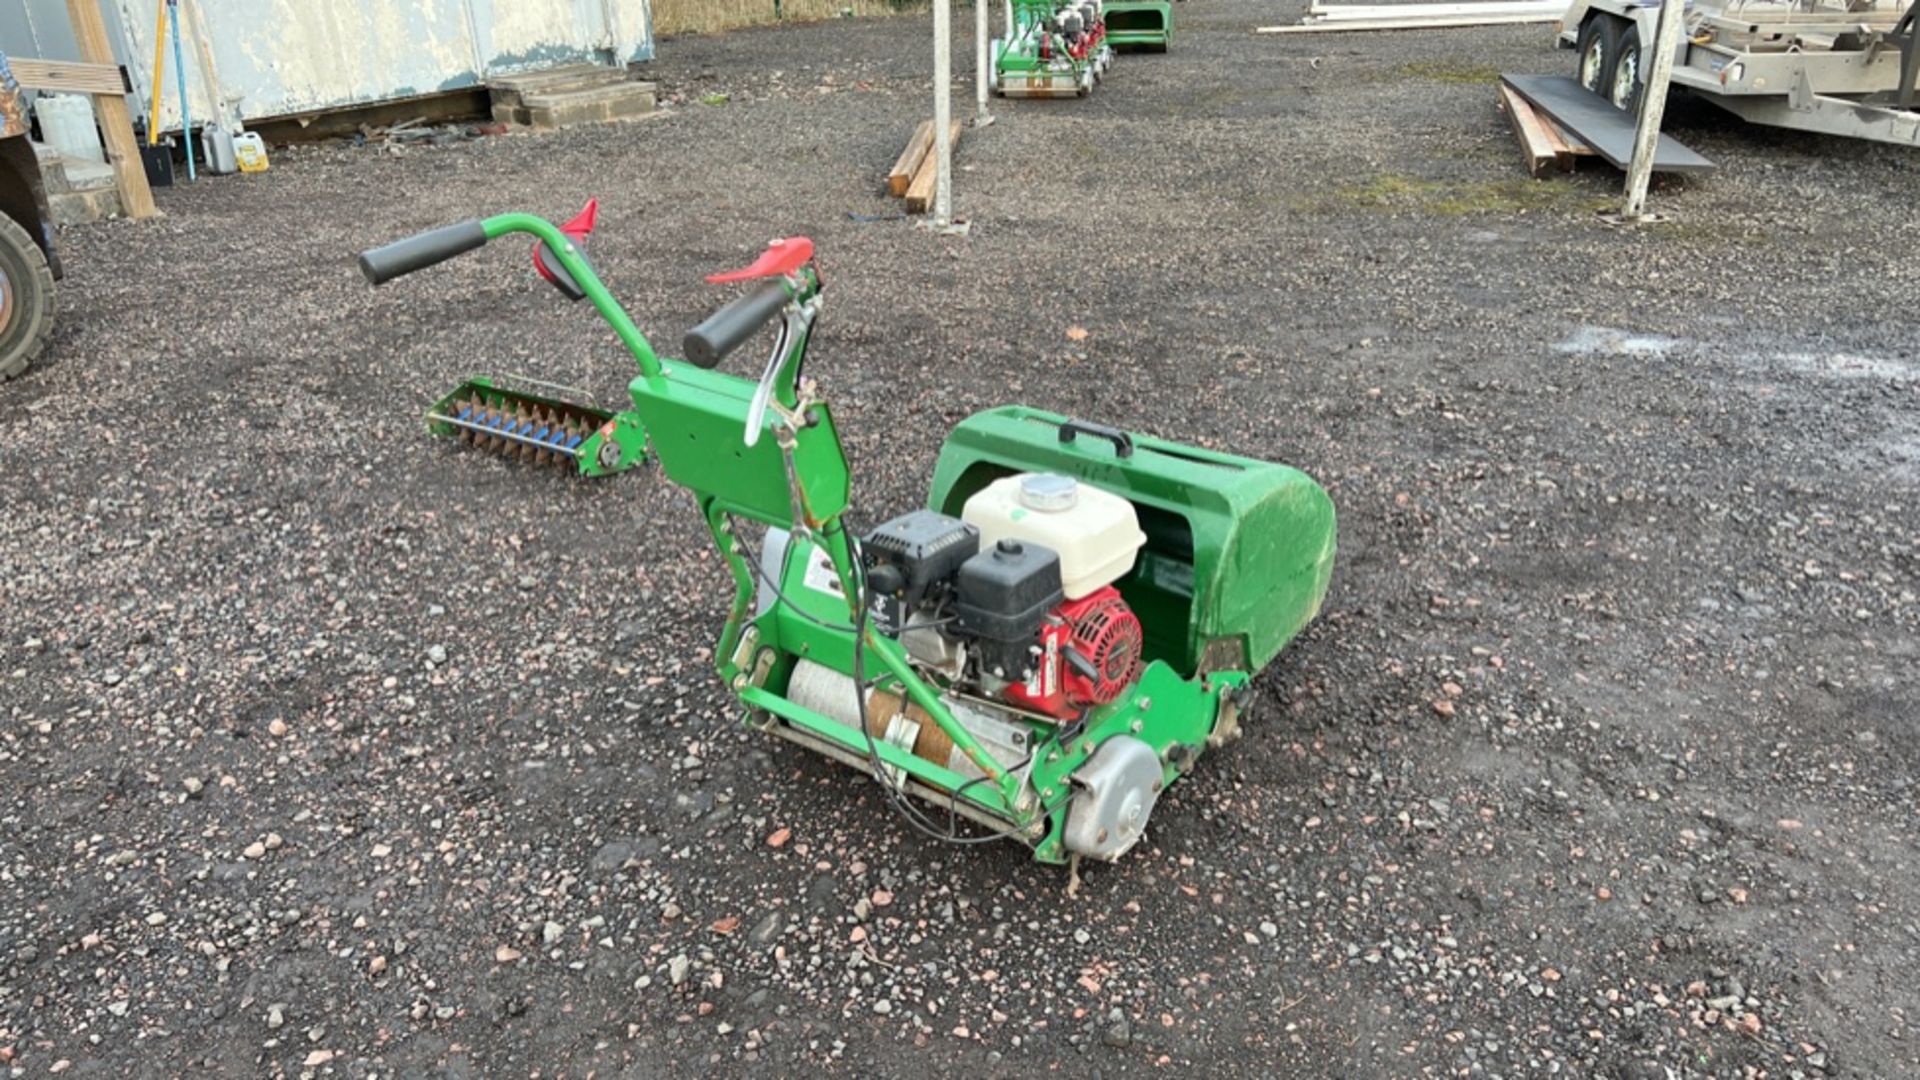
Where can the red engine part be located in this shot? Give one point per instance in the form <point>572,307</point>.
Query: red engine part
<point>1105,639</point>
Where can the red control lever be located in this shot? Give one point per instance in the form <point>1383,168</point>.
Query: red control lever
<point>577,230</point>
<point>781,258</point>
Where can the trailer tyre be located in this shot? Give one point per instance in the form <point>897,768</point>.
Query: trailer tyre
<point>26,299</point>
<point>1598,44</point>
<point>1623,81</point>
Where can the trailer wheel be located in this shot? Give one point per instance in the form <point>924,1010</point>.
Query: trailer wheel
<point>1599,43</point>
<point>26,299</point>
<point>1623,83</point>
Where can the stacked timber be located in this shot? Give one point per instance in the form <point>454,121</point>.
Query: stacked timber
<point>913,176</point>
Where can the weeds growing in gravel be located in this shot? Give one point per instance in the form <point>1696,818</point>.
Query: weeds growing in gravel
<point>1452,198</point>
<point>712,16</point>
<point>1448,71</point>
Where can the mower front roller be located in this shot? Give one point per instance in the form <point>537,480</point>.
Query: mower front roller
<point>490,414</point>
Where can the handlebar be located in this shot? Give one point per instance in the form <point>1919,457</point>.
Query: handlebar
<point>706,345</point>
<point>727,329</point>
<point>383,264</point>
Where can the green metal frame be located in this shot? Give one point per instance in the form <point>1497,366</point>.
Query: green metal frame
<point>796,477</point>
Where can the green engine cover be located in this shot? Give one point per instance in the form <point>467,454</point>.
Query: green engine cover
<point>1239,552</point>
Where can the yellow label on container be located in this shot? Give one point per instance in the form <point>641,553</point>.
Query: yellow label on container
<point>251,152</point>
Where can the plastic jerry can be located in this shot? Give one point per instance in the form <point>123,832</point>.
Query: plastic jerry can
<point>217,145</point>
<point>250,151</point>
<point>66,123</point>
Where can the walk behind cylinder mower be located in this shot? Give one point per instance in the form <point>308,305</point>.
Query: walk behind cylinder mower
<point>1074,618</point>
<point>1053,48</point>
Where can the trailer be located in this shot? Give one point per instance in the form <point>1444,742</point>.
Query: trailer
<point>1834,67</point>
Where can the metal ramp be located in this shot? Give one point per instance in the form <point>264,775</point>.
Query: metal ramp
<point>1606,129</point>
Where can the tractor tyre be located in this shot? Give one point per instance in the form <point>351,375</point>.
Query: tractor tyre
<point>26,299</point>
<point>1624,81</point>
<point>1598,43</point>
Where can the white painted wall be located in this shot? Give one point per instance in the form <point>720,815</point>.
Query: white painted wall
<point>263,58</point>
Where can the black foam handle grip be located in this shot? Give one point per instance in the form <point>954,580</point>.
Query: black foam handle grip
<point>1122,442</point>
<point>383,264</point>
<point>730,327</point>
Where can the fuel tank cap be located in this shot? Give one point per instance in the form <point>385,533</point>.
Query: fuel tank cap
<point>1048,493</point>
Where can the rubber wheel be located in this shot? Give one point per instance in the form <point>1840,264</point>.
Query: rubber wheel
<point>26,299</point>
<point>1598,43</point>
<point>1623,79</point>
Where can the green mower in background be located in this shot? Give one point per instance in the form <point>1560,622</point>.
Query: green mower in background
<point>1053,48</point>
<point>1071,622</point>
<point>1139,25</point>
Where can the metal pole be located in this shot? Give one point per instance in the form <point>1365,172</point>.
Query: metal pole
<point>942,113</point>
<point>1653,108</point>
<point>980,62</point>
<point>159,72</point>
<point>180,75</point>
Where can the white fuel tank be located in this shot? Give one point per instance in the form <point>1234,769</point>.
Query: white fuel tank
<point>1097,533</point>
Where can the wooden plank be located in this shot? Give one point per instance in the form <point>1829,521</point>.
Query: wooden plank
<point>1536,148</point>
<point>62,76</point>
<point>1563,148</point>
<point>1375,12</point>
<point>123,153</point>
<point>920,192</point>
<point>1354,25</point>
<point>901,177</point>
<point>1598,124</point>
<point>1567,138</point>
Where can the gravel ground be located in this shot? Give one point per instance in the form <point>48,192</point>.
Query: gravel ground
<point>331,749</point>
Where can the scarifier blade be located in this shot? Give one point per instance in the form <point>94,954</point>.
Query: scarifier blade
<point>467,410</point>
<point>494,422</point>
<point>516,449</point>
<point>575,433</point>
<point>549,423</point>
<point>484,417</point>
<point>537,423</point>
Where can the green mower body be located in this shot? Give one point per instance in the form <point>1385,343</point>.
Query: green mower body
<point>843,646</point>
<point>1139,25</point>
<point>1239,552</point>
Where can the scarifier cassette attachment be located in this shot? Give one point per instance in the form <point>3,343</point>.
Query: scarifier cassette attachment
<point>511,416</point>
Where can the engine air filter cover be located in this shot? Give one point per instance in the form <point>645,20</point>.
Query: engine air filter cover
<point>918,550</point>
